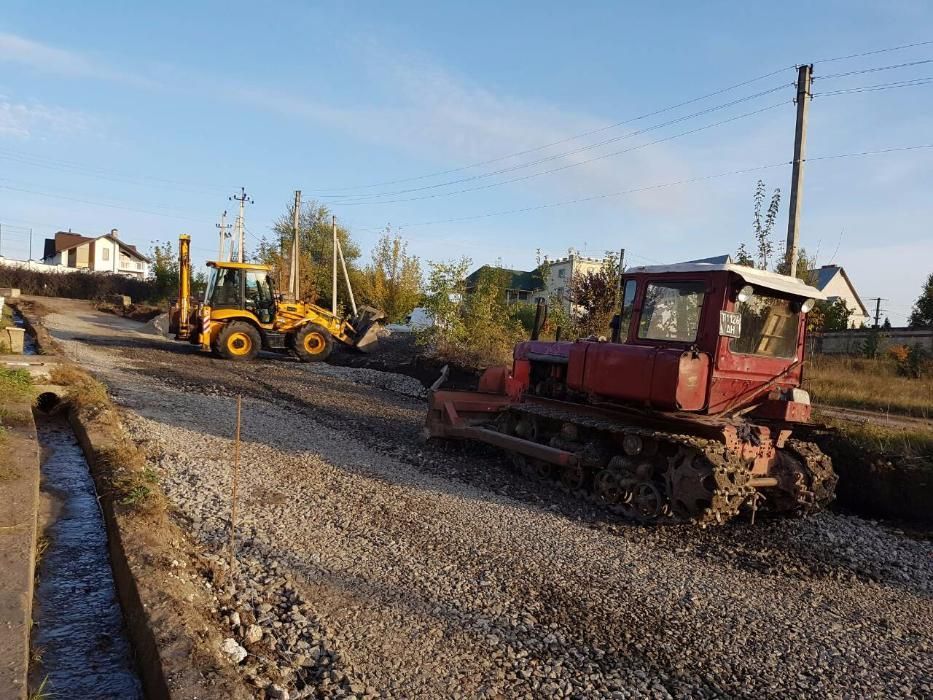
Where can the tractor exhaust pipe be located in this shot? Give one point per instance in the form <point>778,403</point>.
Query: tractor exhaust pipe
<point>540,319</point>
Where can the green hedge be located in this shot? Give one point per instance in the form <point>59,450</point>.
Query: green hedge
<point>76,285</point>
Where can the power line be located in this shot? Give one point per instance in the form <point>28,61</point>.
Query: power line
<point>665,185</point>
<point>102,204</point>
<point>875,52</point>
<point>571,165</point>
<point>874,70</point>
<point>101,173</point>
<point>580,135</point>
<point>566,154</point>
<point>916,82</point>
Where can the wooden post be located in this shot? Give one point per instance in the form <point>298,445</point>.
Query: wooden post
<point>236,479</point>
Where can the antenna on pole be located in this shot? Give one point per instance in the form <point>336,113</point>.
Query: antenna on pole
<point>293,290</point>
<point>243,199</point>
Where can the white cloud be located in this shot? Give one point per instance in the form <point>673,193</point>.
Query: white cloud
<point>23,121</point>
<point>50,59</point>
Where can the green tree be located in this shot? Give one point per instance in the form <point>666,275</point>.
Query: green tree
<point>316,253</point>
<point>829,315</point>
<point>475,329</point>
<point>595,297</point>
<point>393,279</point>
<point>164,270</point>
<point>922,314</point>
<point>764,223</point>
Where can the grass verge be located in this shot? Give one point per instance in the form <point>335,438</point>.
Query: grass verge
<point>122,467</point>
<point>852,382</point>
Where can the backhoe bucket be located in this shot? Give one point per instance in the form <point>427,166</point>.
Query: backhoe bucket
<point>367,324</point>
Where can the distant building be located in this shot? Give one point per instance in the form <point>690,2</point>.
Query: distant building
<point>833,281</point>
<point>105,253</point>
<point>530,286</point>
<point>519,286</point>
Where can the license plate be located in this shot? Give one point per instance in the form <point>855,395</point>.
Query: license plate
<point>730,324</point>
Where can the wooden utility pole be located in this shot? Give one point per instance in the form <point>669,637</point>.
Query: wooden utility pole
<point>346,276</point>
<point>293,286</point>
<point>878,301</point>
<point>333,292</point>
<point>804,75</point>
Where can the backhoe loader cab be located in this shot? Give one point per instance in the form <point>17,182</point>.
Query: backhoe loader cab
<point>241,314</point>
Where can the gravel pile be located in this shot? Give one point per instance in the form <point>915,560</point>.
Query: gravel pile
<point>419,570</point>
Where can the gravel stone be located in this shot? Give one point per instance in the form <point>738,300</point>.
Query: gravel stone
<point>234,651</point>
<point>403,569</point>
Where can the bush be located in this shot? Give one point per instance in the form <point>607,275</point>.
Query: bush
<point>475,330</point>
<point>76,285</point>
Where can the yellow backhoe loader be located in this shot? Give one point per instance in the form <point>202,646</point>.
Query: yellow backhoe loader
<point>241,314</point>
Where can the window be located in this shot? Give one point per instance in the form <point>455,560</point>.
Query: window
<point>671,311</point>
<point>259,295</point>
<point>561,273</point>
<point>139,266</point>
<point>628,305</point>
<point>769,327</point>
<point>226,289</point>
<point>105,254</point>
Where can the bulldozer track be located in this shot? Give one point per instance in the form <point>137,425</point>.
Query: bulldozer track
<point>729,474</point>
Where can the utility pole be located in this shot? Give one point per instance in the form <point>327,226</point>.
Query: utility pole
<point>243,199</point>
<point>1,240</point>
<point>804,75</point>
<point>223,226</point>
<point>878,301</point>
<point>333,294</point>
<point>30,244</point>
<point>293,290</point>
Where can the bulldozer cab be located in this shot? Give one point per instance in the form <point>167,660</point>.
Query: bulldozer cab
<point>242,286</point>
<point>721,309</point>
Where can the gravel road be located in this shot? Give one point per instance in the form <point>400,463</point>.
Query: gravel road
<point>373,564</point>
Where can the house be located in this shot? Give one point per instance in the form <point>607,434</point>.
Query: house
<point>530,286</point>
<point>519,286</point>
<point>833,281</point>
<point>105,253</point>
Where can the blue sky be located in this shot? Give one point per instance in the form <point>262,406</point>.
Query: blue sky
<point>162,110</point>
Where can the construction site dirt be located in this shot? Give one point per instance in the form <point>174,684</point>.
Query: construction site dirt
<point>371,563</point>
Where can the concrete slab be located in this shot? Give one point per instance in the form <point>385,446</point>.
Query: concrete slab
<point>19,500</point>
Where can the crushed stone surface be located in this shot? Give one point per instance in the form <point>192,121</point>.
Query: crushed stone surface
<point>373,564</point>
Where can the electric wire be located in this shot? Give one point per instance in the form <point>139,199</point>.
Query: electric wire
<point>664,185</point>
<point>577,164</point>
<point>875,52</point>
<point>873,70</point>
<point>567,139</point>
<point>916,82</point>
<point>566,154</point>
<point>103,204</point>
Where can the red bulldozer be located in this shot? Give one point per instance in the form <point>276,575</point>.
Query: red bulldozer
<point>686,413</point>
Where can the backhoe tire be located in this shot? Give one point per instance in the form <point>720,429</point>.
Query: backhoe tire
<point>238,341</point>
<point>313,343</point>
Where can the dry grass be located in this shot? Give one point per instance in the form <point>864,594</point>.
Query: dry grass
<point>129,480</point>
<point>914,446</point>
<point>850,382</point>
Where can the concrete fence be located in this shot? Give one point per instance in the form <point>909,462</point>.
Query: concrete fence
<point>852,342</point>
<point>37,266</point>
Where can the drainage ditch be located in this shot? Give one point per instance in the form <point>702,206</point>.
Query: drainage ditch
<point>30,347</point>
<point>80,646</point>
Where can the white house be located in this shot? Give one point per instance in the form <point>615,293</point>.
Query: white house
<point>105,253</point>
<point>833,281</point>
<point>561,271</point>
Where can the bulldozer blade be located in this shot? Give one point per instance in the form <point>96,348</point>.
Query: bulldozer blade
<point>369,340</point>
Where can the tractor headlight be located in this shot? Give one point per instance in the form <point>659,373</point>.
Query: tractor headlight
<point>745,293</point>
<point>807,305</point>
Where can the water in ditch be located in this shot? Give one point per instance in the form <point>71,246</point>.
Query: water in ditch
<point>79,640</point>
<point>29,340</point>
